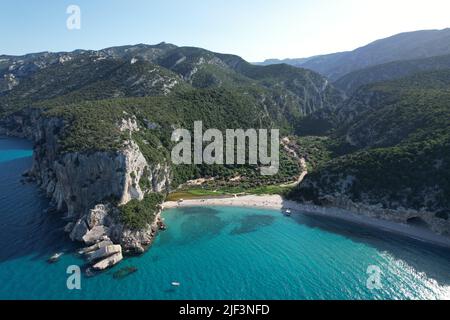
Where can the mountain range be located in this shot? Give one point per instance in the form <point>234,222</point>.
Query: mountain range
<point>400,47</point>
<point>373,126</point>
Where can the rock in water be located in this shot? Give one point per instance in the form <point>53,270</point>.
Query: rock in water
<point>96,247</point>
<point>122,273</point>
<point>104,252</point>
<point>79,231</point>
<point>108,262</point>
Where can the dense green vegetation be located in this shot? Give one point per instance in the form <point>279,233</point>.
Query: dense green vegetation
<point>397,143</point>
<point>351,82</point>
<point>93,125</point>
<point>387,143</point>
<point>315,150</point>
<point>137,214</point>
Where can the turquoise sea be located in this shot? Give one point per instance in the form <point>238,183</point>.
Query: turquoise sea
<point>213,252</point>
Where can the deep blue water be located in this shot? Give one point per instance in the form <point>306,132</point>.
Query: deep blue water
<point>215,253</point>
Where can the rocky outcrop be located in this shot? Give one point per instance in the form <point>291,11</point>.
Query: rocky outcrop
<point>108,262</point>
<point>98,245</point>
<point>421,218</point>
<point>137,241</point>
<point>103,255</point>
<point>103,224</point>
<point>104,252</point>
<point>337,189</point>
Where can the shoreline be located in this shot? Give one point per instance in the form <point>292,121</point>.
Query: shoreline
<point>276,202</point>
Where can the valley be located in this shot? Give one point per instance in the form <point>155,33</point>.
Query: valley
<point>374,143</point>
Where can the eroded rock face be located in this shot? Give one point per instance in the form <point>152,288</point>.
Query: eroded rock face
<point>96,234</point>
<point>79,230</point>
<point>399,215</point>
<point>104,252</point>
<point>129,125</point>
<point>135,165</point>
<point>137,241</point>
<point>81,184</point>
<point>96,246</point>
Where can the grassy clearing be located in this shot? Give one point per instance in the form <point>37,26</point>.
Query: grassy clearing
<point>201,193</point>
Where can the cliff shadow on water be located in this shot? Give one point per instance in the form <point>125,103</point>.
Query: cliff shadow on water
<point>415,253</point>
<point>26,228</point>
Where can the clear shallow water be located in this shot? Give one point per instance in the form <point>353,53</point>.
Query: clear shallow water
<point>215,253</point>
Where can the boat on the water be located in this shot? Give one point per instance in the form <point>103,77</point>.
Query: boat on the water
<point>288,213</point>
<point>55,258</point>
<point>176,284</point>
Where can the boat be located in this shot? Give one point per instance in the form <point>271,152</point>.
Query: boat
<point>288,213</point>
<point>55,258</point>
<point>176,284</point>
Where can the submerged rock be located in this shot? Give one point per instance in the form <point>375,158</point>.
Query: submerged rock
<point>124,272</point>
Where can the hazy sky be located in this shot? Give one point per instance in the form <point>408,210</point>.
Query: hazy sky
<point>253,29</point>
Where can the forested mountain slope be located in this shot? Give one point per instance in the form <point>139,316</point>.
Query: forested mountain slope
<point>391,148</point>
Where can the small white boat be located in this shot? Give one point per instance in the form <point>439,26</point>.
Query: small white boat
<point>176,284</point>
<point>288,213</point>
<point>54,258</point>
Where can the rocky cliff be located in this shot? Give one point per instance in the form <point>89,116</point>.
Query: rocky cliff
<point>89,187</point>
<point>338,195</point>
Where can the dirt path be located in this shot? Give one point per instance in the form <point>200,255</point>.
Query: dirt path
<point>302,162</point>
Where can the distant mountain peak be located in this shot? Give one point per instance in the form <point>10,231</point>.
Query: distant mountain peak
<point>403,46</point>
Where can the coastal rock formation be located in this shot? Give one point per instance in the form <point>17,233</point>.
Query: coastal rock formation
<point>102,224</point>
<point>423,218</point>
<point>95,235</point>
<point>136,241</point>
<point>108,262</point>
<point>417,218</point>
<point>104,252</point>
<point>81,185</point>
<point>95,247</point>
<point>79,230</point>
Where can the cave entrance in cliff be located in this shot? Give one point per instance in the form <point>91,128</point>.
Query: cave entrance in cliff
<point>417,222</point>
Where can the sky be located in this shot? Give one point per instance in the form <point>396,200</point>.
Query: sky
<point>253,29</point>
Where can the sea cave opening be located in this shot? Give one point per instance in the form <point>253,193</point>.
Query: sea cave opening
<point>417,222</point>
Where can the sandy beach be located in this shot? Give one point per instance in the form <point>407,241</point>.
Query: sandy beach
<point>276,202</point>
